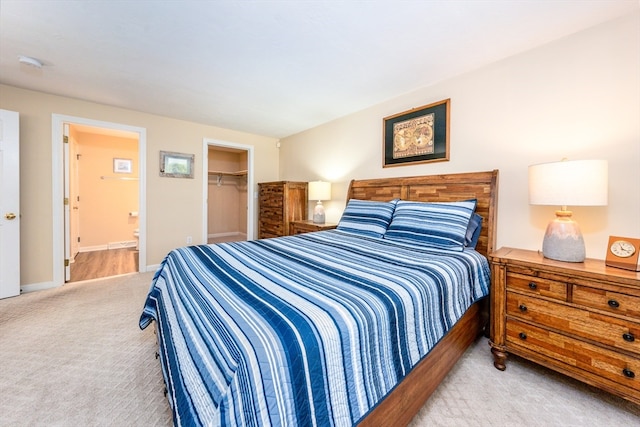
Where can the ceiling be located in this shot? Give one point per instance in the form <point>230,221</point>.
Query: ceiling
<point>270,67</point>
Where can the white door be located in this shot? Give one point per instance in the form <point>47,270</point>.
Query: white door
<point>9,204</point>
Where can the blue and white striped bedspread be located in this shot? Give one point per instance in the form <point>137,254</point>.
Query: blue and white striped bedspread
<point>312,329</point>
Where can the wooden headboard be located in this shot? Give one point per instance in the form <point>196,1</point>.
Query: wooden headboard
<point>482,186</point>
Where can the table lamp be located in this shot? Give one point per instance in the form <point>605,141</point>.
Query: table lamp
<point>567,183</point>
<point>319,190</point>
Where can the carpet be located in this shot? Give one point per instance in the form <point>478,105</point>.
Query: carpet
<point>74,356</point>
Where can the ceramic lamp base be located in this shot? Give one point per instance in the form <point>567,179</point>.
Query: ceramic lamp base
<point>563,240</point>
<point>318,213</point>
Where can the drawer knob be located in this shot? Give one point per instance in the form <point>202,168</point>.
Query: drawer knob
<point>522,336</point>
<point>628,373</point>
<point>533,286</point>
<point>628,337</point>
<point>613,303</point>
<point>522,308</point>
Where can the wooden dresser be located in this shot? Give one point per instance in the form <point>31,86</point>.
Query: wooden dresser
<point>280,203</point>
<point>580,319</point>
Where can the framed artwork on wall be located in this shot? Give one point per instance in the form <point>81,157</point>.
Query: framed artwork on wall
<point>176,165</point>
<point>419,135</point>
<point>122,166</point>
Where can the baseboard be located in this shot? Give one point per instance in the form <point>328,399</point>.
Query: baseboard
<point>36,287</point>
<point>123,244</point>
<point>48,285</point>
<point>226,234</point>
<point>153,267</point>
<point>108,246</point>
<point>93,248</point>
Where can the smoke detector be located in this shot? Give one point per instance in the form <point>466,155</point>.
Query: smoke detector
<point>33,62</point>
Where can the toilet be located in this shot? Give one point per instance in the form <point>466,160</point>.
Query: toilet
<point>136,234</point>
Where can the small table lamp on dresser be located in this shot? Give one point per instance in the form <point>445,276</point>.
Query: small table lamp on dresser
<point>567,183</point>
<point>319,191</point>
<point>582,317</point>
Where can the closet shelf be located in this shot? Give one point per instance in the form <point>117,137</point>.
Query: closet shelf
<point>221,173</point>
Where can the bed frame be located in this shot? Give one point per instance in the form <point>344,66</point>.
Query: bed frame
<point>406,399</point>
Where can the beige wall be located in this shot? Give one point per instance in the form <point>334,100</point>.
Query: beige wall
<point>578,97</point>
<point>174,206</point>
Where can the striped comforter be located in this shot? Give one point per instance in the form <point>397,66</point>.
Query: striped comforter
<point>312,329</point>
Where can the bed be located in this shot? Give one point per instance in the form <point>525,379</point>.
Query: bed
<point>353,326</point>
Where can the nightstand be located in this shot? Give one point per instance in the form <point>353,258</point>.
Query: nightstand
<point>580,319</point>
<point>305,226</point>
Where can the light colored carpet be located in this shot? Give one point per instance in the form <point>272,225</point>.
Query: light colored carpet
<point>74,356</point>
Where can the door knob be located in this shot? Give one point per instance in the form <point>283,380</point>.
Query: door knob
<point>10,216</point>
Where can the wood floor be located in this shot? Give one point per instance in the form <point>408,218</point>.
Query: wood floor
<point>97,264</point>
<point>112,262</point>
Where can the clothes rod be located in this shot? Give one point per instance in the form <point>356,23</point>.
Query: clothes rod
<point>121,178</point>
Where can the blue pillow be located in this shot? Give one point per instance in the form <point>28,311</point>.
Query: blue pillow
<point>442,225</point>
<point>473,231</point>
<point>367,217</point>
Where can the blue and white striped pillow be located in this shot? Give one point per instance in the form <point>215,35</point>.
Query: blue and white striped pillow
<point>441,225</point>
<point>473,231</point>
<point>367,217</point>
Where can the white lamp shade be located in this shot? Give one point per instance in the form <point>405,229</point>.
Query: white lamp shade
<point>319,190</point>
<point>569,183</point>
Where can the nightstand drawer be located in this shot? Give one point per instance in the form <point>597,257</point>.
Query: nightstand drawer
<point>620,368</point>
<point>614,302</point>
<point>607,330</point>
<point>308,226</point>
<point>537,285</point>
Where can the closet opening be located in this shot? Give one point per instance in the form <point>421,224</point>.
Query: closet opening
<point>229,207</point>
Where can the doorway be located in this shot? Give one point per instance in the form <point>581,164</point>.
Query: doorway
<point>228,208</point>
<point>102,192</point>
<point>103,199</point>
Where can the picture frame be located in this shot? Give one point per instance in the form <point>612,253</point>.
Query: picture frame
<point>122,165</point>
<point>420,135</point>
<point>176,165</point>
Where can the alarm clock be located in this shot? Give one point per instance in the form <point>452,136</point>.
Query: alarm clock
<point>623,252</point>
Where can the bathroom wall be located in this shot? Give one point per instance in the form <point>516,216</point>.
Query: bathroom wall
<point>106,197</point>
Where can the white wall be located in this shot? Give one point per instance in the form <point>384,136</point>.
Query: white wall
<point>578,97</point>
